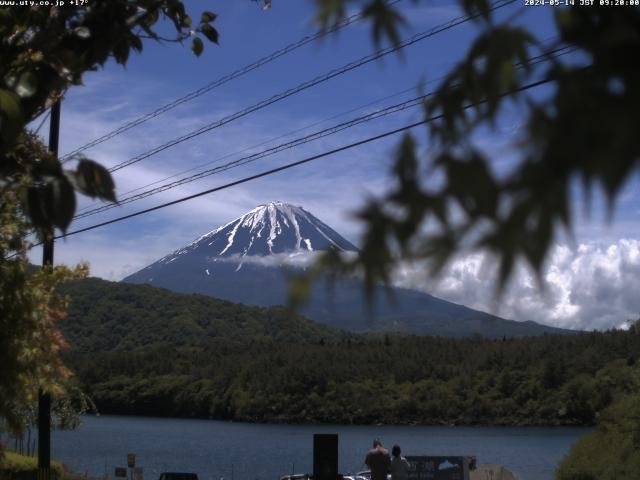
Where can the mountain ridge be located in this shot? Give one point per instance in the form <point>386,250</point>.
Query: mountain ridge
<point>229,262</point>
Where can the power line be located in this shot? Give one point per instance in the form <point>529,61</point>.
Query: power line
<point>546,56</point>
<point>308,84</point>
<point>260,144</point>
<point>264,153</point>
<point>44,119</point>
<point>297,163</point>
<point>217,83</point>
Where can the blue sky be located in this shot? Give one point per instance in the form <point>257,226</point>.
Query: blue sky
<point>589,280</point>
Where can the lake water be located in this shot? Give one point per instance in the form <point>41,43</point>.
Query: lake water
<point>241,451</point>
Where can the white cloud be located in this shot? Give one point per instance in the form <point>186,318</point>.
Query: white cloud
<point>591,286</point>
<point>298,259</point>
<point>421,16</point>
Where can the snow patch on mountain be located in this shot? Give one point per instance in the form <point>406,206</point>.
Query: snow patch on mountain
<point>269,229</point>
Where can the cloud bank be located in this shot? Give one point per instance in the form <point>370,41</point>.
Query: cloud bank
<point>585,287</point>
<point>589,286</point>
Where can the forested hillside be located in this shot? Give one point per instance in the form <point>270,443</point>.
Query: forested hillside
<point>147,351</point>
<point>106,316</point>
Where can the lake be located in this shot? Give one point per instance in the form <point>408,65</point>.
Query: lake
<point>241,451</point>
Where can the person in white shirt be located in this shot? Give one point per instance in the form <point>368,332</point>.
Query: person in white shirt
<point>399,466</point>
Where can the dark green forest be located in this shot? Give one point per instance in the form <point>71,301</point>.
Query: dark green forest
<point>147,351</point>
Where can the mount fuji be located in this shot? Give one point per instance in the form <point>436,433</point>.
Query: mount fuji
<point>266,230</point>
<point>250,259</point>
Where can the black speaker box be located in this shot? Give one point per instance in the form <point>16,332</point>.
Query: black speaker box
<point>325,456</point>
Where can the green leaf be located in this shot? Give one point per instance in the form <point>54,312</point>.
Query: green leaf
<point>46,166</point>
<point>121,52</point>
<point>197,46</point>
<point>27,85</point>
<point>208,17</point>
<point>136,43</point>
<point>94,180</point>
<point>69,60</point>
<point>474,7</point>
<point>51,204</point>
<point>63,200</point>
<point>11,118</point>
<point>210,32</point>
<point>506,72</point>
<point>37,216</point>
<point>299,290</point>
<point>329,13</point>
<point>386,21</point>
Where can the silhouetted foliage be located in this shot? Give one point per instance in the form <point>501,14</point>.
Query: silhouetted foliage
<point>45,50</point>
<point>581,131</point>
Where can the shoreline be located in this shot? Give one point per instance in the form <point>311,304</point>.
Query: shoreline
<point>277,422</point>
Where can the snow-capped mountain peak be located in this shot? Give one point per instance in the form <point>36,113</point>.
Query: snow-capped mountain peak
<point>273,228</point>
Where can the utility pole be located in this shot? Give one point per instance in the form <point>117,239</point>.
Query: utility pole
<point>44,398</point>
